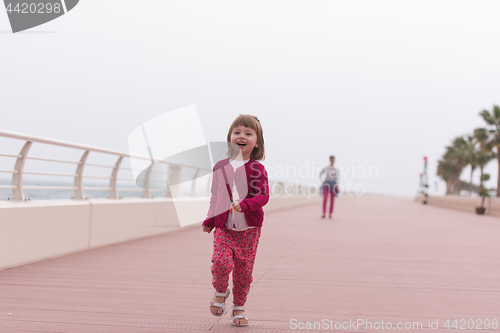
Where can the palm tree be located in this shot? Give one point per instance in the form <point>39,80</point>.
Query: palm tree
<point>493,119</point>
<point>447,170</point>
<point>471,156</point>
<point>485,151</point>
<point>450,167</point>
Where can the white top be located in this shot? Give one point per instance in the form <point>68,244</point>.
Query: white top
<point>331,173</point>
<point>236,221</point>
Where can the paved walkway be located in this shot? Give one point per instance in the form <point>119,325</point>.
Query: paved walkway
<point>380,259</point>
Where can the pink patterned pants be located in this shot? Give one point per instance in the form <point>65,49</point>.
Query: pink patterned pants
<point>234,251</point>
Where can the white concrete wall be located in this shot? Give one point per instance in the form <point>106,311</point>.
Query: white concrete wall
<point>37,230</point>
<point>115,221</point>
<point>463,203</point>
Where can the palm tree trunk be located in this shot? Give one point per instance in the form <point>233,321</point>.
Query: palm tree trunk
<point>481,177</point>
<point>470,183</point>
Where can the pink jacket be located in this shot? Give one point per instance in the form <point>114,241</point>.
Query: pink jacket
<point>254,188</point>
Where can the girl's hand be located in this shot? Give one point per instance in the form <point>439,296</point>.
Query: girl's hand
<point>236,206</point>
<point>207,229</point>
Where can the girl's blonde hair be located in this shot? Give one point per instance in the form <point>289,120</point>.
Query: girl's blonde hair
<point>254,123</point>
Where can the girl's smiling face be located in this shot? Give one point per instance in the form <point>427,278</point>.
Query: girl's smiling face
<point>246,139</point>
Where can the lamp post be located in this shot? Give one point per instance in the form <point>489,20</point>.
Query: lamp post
<point>423,181</point>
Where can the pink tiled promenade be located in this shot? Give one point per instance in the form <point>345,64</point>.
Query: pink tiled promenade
<point>380,259</point>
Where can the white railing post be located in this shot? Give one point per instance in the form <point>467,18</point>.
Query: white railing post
<point>79,177</point>
<point>193,185</point>
<point>17,177</point>
<point>174,177</point>
<point>146,193</point>
<point>113,193</point>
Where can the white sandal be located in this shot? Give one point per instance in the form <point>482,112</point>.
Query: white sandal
<point>220,305</point>
<point>235,307</point>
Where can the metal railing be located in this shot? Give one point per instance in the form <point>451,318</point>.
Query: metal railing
<point>17,186</point>
<point>18,172</point>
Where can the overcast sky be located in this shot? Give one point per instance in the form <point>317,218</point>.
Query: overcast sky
<point>376,83</point>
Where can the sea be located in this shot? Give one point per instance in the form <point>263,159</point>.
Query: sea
<point>30,194</point>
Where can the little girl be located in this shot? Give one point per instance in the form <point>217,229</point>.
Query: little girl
<point>329,185</point>
<point>239,191</point>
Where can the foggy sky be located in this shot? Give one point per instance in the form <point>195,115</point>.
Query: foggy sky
<point>376,83</point>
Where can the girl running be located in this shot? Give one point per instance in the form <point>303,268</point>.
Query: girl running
<point>237,222</point>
